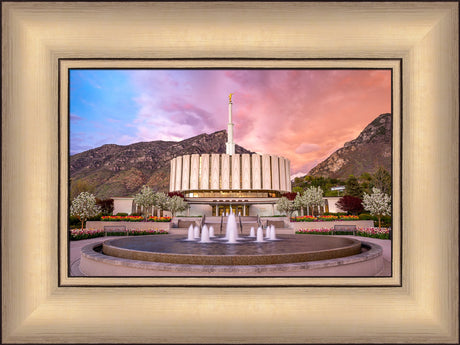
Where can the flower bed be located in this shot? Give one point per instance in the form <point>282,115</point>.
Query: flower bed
<point>322,218</point>
<point>136,232</point>
<point>382,233</point>
<point>322,231</point>
<point>159,219</point>
<point>78,234</point>
<point>348,217</point>
<point>134,219</point>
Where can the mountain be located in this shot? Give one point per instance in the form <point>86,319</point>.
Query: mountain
<point>114,170</point>
<point>371,149</point>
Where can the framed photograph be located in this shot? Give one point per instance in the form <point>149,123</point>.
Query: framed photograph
<point>45,42</point>
<point>161,101</point>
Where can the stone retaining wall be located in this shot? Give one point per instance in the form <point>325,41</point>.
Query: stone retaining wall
<point>175,221</point>
<point>99,225</point>
<point>328,225</point>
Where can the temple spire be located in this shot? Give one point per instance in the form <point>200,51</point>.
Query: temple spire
<point>230,144</point>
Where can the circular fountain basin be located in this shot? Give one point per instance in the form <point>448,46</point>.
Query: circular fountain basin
<point>174,249</point>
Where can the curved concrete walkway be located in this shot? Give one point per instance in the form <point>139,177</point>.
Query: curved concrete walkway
<point>75,253</point>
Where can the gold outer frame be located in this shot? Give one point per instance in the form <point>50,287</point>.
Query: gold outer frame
<point>35,309</point>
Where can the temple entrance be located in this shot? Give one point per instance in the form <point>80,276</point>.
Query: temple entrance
<point>219,210</point>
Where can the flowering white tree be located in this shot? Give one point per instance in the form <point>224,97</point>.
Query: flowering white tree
<point>312,196</point>
<point>162,201</point>
<point>378,203</point>
<point>299,202</point>
<point>146,198</point>
<point>285,205</point>
<point>316,196</point>
<point>176,204</point>
<point>84,206</point>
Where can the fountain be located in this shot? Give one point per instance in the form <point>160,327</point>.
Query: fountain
<point>191,236</point>
<point>211,231</point>
<point>204,235</point>
<point>260,235</point>
<point>196,232</point>
<point>284,252</point>
<point>272,233</point>
<point>267,232</point>
<point>252,233</point>
<point>232,231</point>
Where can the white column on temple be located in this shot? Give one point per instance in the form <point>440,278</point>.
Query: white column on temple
<point>230,144</point>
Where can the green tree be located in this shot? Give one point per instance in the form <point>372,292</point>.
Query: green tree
<point>365,176</point>
<point>146,198</point>
<point>378,203</point>
<point>381,179</point>
<point>297,180</point>
<point>84,206</point>
<point>352,187</point>
<point>297,189</point>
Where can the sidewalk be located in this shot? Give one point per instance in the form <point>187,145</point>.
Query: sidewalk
<point>75,249</point>
<point>386,246</point>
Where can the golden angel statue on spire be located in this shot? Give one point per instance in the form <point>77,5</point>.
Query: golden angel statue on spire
<point>230,97</point>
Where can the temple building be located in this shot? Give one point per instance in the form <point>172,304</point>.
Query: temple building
<point>249,184</point>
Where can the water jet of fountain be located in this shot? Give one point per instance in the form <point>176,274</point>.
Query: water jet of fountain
<point>267,232</point>
<point>260,235</point>
<point>196,233</point>
<point>211,231</point>
<point>252,232</point>
<point>205,235</point>
<point>232,234</point>
<point>272,233</point>
<point>191,236</point>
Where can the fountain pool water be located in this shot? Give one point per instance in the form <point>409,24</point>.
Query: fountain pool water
<point>289,249</point>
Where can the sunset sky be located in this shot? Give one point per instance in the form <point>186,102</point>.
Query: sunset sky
<point>303,115</point>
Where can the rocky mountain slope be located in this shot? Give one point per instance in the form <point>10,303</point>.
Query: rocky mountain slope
<point>371,149</point>
<point>114,170</point>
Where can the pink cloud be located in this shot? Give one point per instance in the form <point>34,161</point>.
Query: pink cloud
<point>324,108</point>
<point>303,115</point>
<point>306,148</point>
